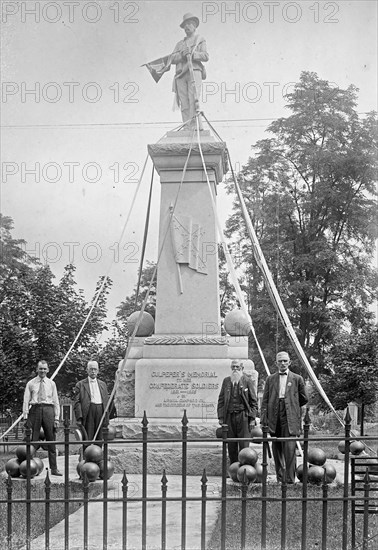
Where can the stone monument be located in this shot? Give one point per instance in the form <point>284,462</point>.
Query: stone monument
<point>180,367</point>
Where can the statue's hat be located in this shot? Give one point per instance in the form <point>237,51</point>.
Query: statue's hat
<point>189,16</point>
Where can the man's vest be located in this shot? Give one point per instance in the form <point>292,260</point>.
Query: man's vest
<point>236,403</point>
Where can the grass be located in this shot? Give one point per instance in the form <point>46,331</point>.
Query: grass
<point>293,521</point>
<point>37,514</point>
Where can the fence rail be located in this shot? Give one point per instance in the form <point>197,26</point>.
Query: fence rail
<point>264,511</point>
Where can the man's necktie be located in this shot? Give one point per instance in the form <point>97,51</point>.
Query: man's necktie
<point>42,392</point>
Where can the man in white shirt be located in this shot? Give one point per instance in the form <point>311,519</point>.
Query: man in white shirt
<point>284,395</point>
<point>91,398</point>
<point>41,410</point>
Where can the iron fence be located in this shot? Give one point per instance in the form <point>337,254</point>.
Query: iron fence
<point>264,511</point>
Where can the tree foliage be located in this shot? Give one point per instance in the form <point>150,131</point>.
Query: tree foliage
<point>40,319</point>
<point>352,369</point>
<point>134,303</point>
<point>310,190</point>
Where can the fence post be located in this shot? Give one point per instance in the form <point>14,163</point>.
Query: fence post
<point>28,432</point>
<point>47,511</point>
<point>265,430</point>
<point>164,483</point>
<point>203,510</point>
<point>244,510</point>
<point>144,481</point>
<point>347,420</point>
<point>85,505</point>
<point>66,421</point>
<point>324,511</point>
<point>306,429</point>
<point>365,539</point>
<point>124,510</point>
<point>283,509</point>
<point>9,511</point>
<point>105,432</point>
<point>184,422</point>
<point>224,486</point>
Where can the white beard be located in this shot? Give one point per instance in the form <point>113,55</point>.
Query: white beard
<point>236,376</point>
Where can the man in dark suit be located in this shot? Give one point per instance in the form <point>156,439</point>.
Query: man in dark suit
<point>237,407</point>
<point>91,398</point>
<point>284,395</point>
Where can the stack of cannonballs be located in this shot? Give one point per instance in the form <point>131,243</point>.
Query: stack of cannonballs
<point>317,467</point>
<point>18,467</point>
<point>356,447</point>
<point>93,464</point>
<point>246,467</point>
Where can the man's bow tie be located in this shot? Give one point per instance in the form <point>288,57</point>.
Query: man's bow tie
<point>283,373</point>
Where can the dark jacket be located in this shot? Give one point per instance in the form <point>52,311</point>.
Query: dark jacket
<point>82,399</point>
<point>247,392</point>
<point>295,398</point>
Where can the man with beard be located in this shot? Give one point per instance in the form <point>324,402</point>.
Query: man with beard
<point>237,407</point>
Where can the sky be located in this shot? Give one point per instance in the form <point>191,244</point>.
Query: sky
<point>78,109</point>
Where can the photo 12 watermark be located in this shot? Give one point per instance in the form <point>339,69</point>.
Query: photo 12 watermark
<point>255,92</point>
<point>69,92</point>
<point>271,12</point>
<point>28,11</point>
<point>71,252</point>
<point>69,172</point>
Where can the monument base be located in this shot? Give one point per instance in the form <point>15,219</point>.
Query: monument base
<point>201,455</point>
<point>164,428</point>
<point>165,375</point>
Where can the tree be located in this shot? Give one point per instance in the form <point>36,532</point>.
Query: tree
<point>40,320</point>
<point>134,303</point>
<point>310,191</point>
<point>352,370</point>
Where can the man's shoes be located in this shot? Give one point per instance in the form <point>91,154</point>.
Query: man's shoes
<point>56,473</point>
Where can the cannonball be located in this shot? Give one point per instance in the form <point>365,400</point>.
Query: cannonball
<point>299,472</point>
<point>112,432</point>
<point>92,470</point>
<point>357,447</point>
<point>257,432</point>
<point>79,466</point>
<point>93,453</point>
<point>249,471</point>
<point>21,452</point>
<point>248,456</point>
<point>236,323</point>
<point>330,471</point>
<point>233,470</point>
<point>316,456</point>
<point>316,475</point>
<point>146,326</point>
<point>12,467</point>
<point>39,463</point>
<point>110,469</point>
<point>24,468</point>
<point>341,447</point>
